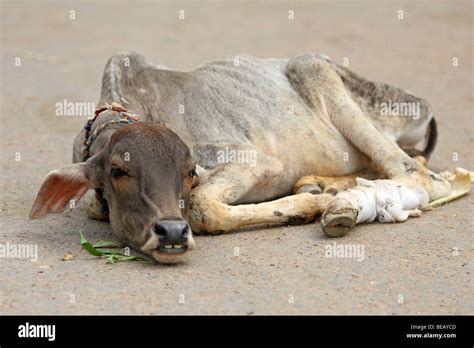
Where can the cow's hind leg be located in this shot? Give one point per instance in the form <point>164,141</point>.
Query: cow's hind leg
<point>213,208</point>
<point>323,88</point>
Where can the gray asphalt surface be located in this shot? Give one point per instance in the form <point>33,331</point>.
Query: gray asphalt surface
<point>423,266</point>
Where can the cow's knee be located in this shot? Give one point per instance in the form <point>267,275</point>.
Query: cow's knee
<point>94,207</point>
<point>207,214</point>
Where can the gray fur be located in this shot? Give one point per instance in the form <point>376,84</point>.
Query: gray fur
<point>247,106</point>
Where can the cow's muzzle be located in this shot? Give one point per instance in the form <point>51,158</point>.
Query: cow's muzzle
<point>173,236</point>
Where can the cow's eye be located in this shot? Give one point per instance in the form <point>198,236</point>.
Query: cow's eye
<point>117,173</point>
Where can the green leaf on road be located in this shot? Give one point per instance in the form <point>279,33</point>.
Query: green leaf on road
<point>105,244</point>
<point>112,255</point>
<point>89,247</point>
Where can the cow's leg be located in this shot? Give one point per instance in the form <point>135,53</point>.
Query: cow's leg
<point>212,208</point>
<point>94,207</point>
<point>322,87</point>
<point>389,200</point>
<point>316,184</point>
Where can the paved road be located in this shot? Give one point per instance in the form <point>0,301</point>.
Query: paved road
<point>422,266</point>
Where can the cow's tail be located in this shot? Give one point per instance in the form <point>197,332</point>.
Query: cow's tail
<point>432,135</point>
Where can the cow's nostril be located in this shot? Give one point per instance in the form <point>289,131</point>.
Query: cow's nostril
<point>172,232</point>
<point>184,232</point>
<point>160,230</point>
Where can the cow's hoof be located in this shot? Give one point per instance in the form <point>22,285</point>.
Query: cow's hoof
<point>339,223</point>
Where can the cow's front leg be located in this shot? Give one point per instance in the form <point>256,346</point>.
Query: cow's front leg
<point>213,208</point>
<point>391,200</point>
<point>95,208</point>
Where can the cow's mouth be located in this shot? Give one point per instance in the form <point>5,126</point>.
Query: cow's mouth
<point>172,249</point>
<point>169,253</point>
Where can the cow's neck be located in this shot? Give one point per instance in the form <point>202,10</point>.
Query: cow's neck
<point>101,128</point>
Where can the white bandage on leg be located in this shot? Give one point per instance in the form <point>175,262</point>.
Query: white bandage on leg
<point>385,200</point>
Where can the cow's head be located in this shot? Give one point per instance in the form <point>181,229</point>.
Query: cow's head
<point>146,174</point>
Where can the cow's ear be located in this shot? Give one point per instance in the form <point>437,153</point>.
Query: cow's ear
<point>63,185</point>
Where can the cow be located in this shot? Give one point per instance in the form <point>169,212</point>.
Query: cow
<point>244,143</point>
